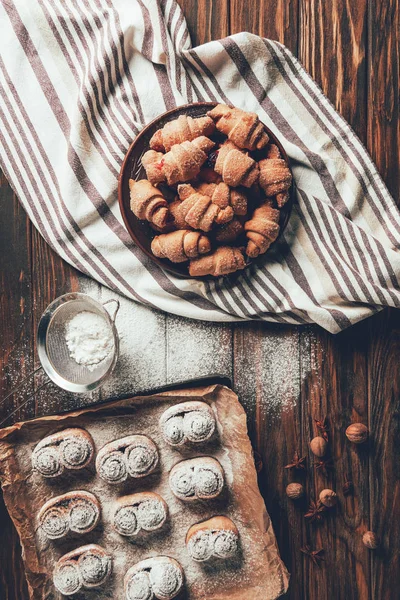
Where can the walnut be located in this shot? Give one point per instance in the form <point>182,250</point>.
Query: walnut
<point>318,446</point>
<point>328,498</point>
<point>295,491</point>
<point>357,433</point>
<point>370,540</point>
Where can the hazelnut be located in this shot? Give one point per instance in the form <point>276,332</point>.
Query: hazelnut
<point>328,498</point>
<point>370,540</point>
<point>295,491</point>
<point>357,433</point>
<point>318,446</point>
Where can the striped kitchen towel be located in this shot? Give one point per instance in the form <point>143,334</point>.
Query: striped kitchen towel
<point>79,80</point>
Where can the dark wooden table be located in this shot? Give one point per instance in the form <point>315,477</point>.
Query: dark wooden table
<point>285,376</point>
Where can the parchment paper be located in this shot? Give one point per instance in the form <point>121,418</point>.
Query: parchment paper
<point>257,574</point>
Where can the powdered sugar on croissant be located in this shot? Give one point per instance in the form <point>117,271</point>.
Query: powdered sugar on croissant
<point>222,261</point>
<point>236,167</point>
<point>179,246</point>
<point>222,195</point>
<point>275,176</point>
<point>199,211</point>
<point>182,163</point>
<point>182,129</point>
<point>261,230</point>
<point>147,202</point>
<point>243,128</point>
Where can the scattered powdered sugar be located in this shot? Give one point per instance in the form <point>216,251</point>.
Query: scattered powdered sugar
<point>199,425</point>
<point>67,578</point>
<point>94,569</point>
<point>75,451</point>
<point>225,544</point>
<point>167,579</point>
<point>112,467</point>
<point>207,482</point>
<point>125,521</point>
<point>89,339</point>
<point>139,587</point>
<point>173,430</point>
<point>82,516</point>
<point>200,546</point>
<point>55,523</point>
<point>151,514</point>
<point>141,459</point>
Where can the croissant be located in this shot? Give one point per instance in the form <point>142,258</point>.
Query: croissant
<point>152,162</point>
<point>176,214</point>
<point>272,151</point>
<point>222,195</point>
<point>148,203</point>
<point>275,176</point>
<point>182,163</point>
<point>180,130</point>
<point>242,128</point>
<point>199,211</point>
<point>236,167</point>
<point>180,245</point>
<point>221,262</point>
<point>229,232</point>
<point>261,230</point>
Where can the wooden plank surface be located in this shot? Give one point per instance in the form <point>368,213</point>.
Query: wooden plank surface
<point>285,376</point>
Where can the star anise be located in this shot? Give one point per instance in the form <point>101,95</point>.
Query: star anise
<point>315,512</point>
<point>324,465</point>
<point>314,555</point>
<point>348,487</point>
<point>297,463</point>
<point>322,426</point>
<point>257,461</point>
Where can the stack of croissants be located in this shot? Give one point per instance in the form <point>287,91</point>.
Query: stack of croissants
<point>226,196</point>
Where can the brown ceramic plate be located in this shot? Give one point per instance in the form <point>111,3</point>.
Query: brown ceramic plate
<point>140,231</point>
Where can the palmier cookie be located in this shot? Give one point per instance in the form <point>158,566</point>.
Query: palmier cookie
<point>145,511</point>
<point>132,456</point>
<point>188,422</point>
<point>157,578</point>
<point>77,512</point>
<point>68,449</point>
<point>200,478</point>
<point>216,538</point>
<point>86,567</point>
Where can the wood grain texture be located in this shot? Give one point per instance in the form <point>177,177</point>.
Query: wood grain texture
<point>383,91</point>
<point>285,376</point>
<point>383,385</point>
<point>274,19</point>
<point>207,19</point>
<point>333,47</point>
<point>16,357</point>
